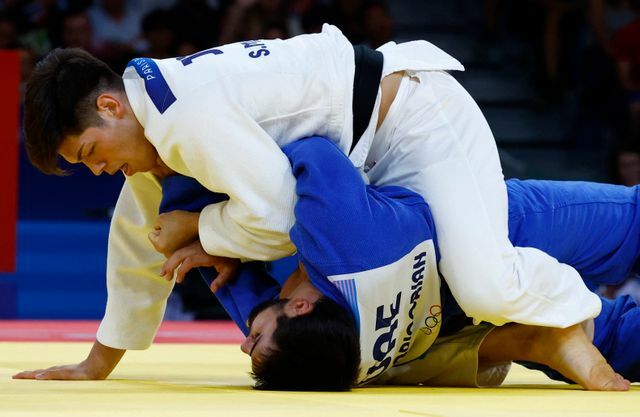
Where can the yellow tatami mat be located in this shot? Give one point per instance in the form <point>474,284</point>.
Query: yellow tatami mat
<point>194,380</point>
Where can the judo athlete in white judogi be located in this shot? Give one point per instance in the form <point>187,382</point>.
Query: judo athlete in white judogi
<point>221,117</point>
<point>373,250</point>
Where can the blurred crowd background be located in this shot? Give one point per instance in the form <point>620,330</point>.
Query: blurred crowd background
<point>558,80</point>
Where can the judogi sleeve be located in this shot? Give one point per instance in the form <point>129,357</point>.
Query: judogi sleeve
<point>246,164</point>
<point>342,224</point>
<point>137,293</point>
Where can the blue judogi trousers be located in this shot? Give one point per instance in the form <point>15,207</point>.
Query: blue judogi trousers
<point>596,229</point>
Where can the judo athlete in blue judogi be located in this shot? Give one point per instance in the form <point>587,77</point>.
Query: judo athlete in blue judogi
<point>373,252</point>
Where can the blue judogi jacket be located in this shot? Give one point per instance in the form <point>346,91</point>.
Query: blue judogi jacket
<point>370,249</point>
<point>374,249</point>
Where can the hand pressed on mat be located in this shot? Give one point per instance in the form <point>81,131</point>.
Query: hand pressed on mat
<point>98,365</point>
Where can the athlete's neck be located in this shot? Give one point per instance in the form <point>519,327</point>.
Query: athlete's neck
<point>161,170</point>
<point>299,285</point>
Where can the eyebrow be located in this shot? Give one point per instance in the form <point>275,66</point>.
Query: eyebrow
<point>79,155</point>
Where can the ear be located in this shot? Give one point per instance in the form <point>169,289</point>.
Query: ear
<point>109,105</point>
<point>298,307</point>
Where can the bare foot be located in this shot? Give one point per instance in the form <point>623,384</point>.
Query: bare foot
<point>571,352</point>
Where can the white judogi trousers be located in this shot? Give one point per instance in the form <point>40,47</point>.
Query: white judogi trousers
<point>435,141</point>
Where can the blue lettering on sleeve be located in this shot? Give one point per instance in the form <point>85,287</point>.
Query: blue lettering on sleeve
<point>154,82</point>
<point>188,60</point>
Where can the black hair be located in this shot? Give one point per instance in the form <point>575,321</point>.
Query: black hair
<point>60,100</point>
<point>319,351</point>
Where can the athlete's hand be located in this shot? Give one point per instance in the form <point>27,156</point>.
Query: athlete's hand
<point>65,372</point>
<point>193,256</point>
<point>97,366</point>
<point>174,230</point>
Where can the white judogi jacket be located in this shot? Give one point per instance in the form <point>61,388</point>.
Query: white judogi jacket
<point>221,116</point>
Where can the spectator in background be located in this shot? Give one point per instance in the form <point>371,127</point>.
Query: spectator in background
<point>626,50</point>
<point>299,10</point>
<point>158,35</point>
<point>362,22</point>
<point>347,15</point>
<point>39,20</point>
<point>377,24</point>
<point>76,31</point>
<point>625,164</point>
<point>313,20</point>
<point>251,19</point>
<point>8,31</point>
<point>147,6</point>
<point>9,39</point>
<point>116,25</point>
<point>606,17</point>
<point>602,112</point>
<point>275,30</point>
<point>562,22</point>
<point>27,65</point>
<point>195,26</point>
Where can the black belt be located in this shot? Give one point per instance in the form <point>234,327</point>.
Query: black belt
<point>366,82</point>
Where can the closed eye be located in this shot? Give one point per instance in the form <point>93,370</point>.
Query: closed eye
<point>81,158</point>
<point>255,343</point>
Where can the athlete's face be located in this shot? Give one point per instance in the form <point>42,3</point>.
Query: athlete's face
<point>263,322</point>
<point>118,144</point>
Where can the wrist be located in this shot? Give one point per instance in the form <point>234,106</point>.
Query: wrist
<point>101,361</point>
<point>195,224</point>
<point>94,370</point>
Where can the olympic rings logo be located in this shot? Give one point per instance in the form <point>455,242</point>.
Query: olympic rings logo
<point>433,320</point>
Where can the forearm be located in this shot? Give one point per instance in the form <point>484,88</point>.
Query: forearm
<point>137,293</point>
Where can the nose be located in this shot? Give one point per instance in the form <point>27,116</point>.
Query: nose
<point>97,168</point>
